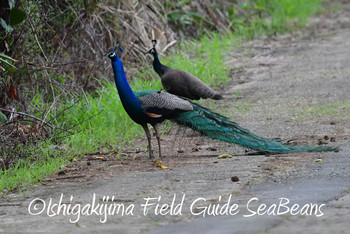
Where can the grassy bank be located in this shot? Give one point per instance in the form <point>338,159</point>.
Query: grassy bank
<point>100,122</point>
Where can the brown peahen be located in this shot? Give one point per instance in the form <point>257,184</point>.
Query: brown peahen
<point>180,82</point>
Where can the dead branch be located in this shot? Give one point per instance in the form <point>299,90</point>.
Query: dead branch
<point>35,118</point>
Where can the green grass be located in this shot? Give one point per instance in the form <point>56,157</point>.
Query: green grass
<point>276,16</point>
<point>340,108</point>
<point>102,122</point>
<point>42,162</point>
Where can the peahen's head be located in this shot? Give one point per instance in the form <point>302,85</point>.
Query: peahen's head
<point>152,51</point>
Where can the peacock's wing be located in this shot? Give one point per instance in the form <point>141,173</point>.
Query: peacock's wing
<point>162,103</point>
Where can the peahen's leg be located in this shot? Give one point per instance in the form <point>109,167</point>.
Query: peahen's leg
<point>158,138</point>
<point>148,135</point>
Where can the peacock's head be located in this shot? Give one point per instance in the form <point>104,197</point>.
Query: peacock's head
<point>112,54</point>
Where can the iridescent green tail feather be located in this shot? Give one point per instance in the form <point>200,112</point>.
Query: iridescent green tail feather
<point>218,127</point>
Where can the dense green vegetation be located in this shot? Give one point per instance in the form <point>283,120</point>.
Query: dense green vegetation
<point>70,87</point>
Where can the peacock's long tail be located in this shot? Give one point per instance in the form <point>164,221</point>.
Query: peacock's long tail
<point>218,127</point>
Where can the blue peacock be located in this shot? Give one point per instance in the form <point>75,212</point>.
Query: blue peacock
<point>153,107</point>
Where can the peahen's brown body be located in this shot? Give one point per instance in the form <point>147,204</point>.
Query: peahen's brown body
<point>182,83</point>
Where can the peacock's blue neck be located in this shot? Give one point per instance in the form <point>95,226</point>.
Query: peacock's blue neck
<point>130,102</point>
<point>158,67</point>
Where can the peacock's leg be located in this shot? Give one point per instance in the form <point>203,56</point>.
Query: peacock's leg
<point>158,138</point>
<point>148,135</point>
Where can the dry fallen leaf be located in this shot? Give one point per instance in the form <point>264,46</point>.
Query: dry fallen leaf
<point>79,225</point>
<point>115,152</point>
<point>161,165</point>
<point>224,156</point>
<point>100,156</point>
<point>319,160</point>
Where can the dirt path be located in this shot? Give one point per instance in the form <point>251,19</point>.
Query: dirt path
<point>293,87</point>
